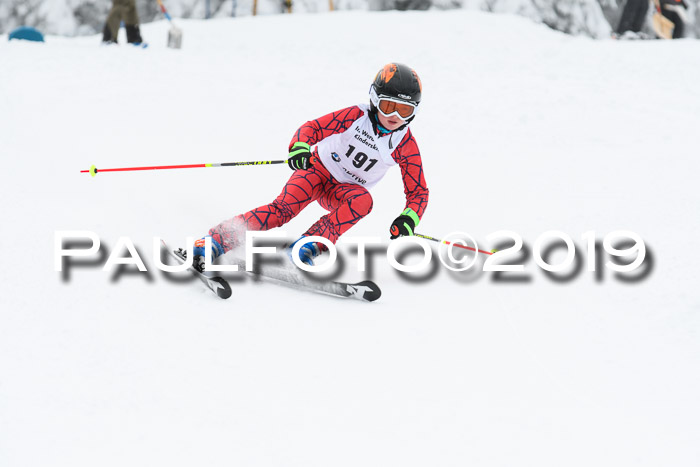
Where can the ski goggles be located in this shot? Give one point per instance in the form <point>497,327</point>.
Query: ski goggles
<point>389,106</point>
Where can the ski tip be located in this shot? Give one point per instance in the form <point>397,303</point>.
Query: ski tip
<point>222,289</point>
<point>370,291</point>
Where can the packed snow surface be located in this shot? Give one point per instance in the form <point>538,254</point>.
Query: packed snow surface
<point>521,129</point>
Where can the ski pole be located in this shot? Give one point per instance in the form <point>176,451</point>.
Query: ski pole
<point>165,12</point>
<point>428,237</point>
<point>94,170</point>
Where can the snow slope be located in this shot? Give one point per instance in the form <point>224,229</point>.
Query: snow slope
<point>521,128</point>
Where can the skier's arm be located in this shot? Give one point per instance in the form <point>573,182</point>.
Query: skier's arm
<point>408,157</point>
<point>314,131</point>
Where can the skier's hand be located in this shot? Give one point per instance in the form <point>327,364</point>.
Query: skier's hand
<point>300,156</point>
<point>404,225</point>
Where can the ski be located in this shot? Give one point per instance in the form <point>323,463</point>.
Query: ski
<point>216,284</point>
<point>366,291</point>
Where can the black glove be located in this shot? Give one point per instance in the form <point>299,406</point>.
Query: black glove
<point>300,156</point>
<point>404,225</point>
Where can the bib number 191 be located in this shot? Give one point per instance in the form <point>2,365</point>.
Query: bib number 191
<point>360,159</point>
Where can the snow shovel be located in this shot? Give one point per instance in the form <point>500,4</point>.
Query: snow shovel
<point>175,33</point>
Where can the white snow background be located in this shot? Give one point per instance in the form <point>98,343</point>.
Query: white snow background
<point>521,128</point>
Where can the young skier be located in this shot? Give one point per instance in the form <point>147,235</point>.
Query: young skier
<point>336,160</point>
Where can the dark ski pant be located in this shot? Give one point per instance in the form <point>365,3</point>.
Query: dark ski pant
<point>122,10</point>
<point>678,24</point>
<point>633,16</point>
<point>347,203</point>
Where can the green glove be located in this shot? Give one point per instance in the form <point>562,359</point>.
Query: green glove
<point>300,156</point>
<point>404,225</point>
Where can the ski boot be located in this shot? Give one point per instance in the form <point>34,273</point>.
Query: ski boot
<point>198,252</point>
<point>307,252</point>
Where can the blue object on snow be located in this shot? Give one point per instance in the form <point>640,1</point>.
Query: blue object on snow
<point>26,33</point>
